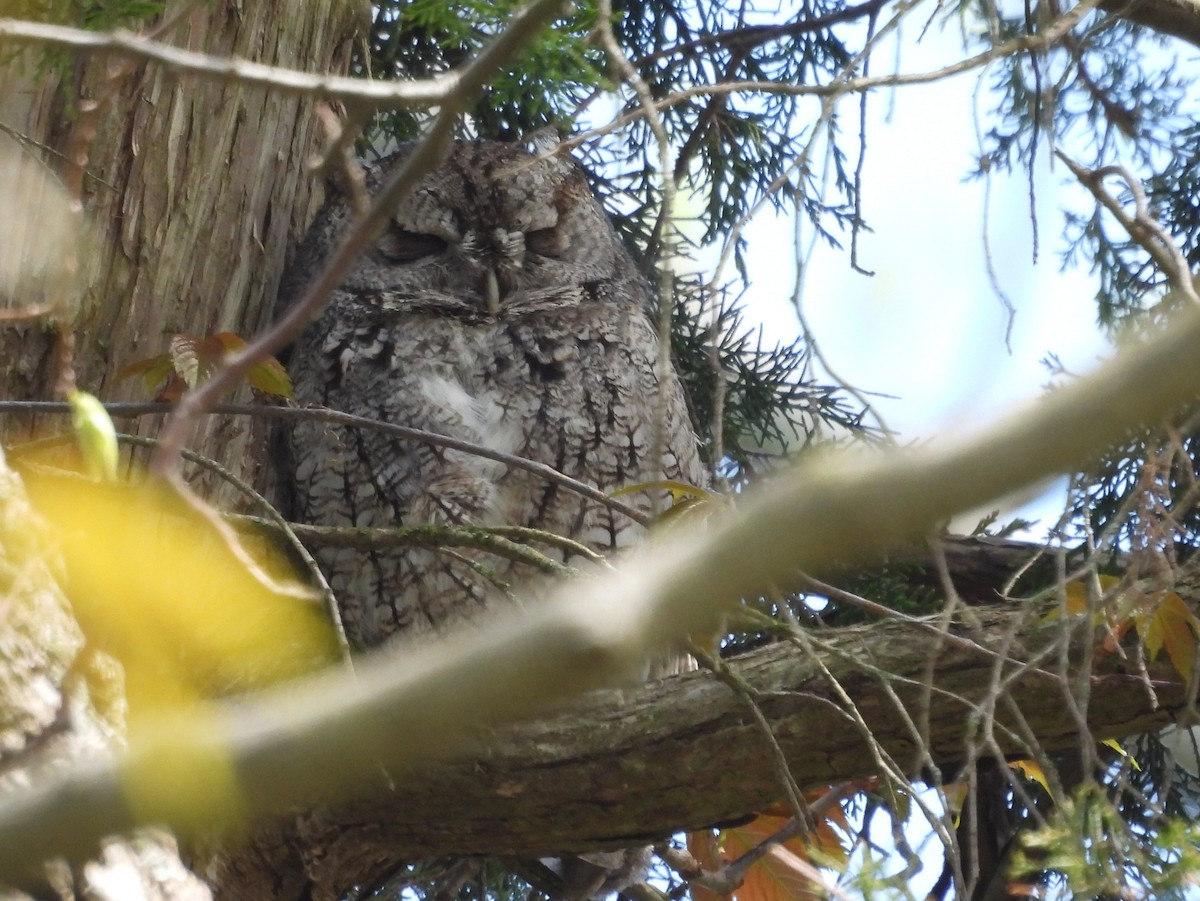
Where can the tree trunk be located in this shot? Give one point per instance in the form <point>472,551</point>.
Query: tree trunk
<point>196,191</point>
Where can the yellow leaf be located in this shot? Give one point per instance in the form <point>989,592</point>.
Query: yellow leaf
<point>679,491</point>
<point>268,375</point>
<point>1116,746</point>
<point>173,595</point>
<point>153,370</point>
<point>1173,626</point>
<point>956,795</point>
<point>94,434</point>
<point>1031,771</point>
<point>1077,594</point>
<point>159,584</point>
<point>194,781</point>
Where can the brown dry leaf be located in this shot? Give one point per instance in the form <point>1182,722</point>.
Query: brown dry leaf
<point>190,360</point>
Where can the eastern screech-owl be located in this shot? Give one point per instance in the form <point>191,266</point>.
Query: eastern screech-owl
<point>501,308</point>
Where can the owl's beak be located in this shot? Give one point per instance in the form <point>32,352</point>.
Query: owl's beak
<point>492,291</point>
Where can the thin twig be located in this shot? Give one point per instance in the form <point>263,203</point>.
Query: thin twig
<point>423,93</point>
<point>791,791</point>
<point>323,414</point>
<point>424,536</point>
<point>1143,228</point>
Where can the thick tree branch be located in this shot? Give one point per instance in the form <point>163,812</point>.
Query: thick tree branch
<point>1177,18</point>
<point>294,747</point>
<point>641,763</point>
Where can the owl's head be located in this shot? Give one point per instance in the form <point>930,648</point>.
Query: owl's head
<point>494,227</point>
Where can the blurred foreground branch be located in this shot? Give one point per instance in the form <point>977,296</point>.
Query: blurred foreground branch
<point>327,738</point>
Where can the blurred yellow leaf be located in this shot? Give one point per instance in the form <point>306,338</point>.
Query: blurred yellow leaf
<point>173,595</point>
<point>95,435</point>
<point>1172,625</point>
<point>162,586</point>
<point>1077,594</point>
<point>193,782</point>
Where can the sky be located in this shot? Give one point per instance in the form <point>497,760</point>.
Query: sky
<point>928,328</point>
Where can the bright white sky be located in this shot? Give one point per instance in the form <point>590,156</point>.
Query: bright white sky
<point>928,327</point>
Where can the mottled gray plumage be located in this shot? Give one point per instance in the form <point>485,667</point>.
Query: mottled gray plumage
<point>500,307</point>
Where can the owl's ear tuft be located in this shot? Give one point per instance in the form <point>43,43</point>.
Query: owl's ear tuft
<point>401,246</point>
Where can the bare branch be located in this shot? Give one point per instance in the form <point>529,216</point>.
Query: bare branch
<point>294,746</point>
<point>543,470</point>
<point>431,92</point>
<point>1141,226</point>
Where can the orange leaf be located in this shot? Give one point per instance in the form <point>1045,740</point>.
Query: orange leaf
<point>785,872</point>
<point>1173,626</point>
<point>228,341</point>
<point>780,875</point>
<point>702,845</point>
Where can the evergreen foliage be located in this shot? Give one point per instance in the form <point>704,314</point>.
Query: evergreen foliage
<point>1113,94</point>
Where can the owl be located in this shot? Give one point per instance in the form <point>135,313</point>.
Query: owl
<point>500,308</point>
